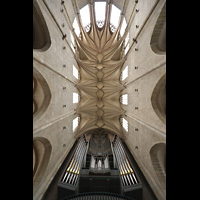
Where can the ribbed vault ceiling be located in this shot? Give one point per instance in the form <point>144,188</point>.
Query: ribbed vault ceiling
<point>99,53</point>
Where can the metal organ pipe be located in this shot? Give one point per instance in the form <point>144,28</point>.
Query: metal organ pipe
<point>128,165</point>
<point>119,161</point>
<point>124,174</point>
<point>73,170</point>
<point>73,163</point>
<point>83,148</point>
<point>79,159</point>
<point>125,168</point>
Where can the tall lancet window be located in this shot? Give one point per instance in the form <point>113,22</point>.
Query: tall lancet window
<point>85,17</point>
<point>124,73</point>
<point>114,18</point>
<point>100,13</point>
<point>126,45</point>
<point>75,123</point>
<point>75,72</point>
<point>75,97</point>
<point>124,99</point>
<point>72,40</point>
<point>76,27</point>
<point>123,27</point>
<point>124,124</point>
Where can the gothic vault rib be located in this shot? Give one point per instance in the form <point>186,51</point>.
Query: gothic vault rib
<point>99,53</point>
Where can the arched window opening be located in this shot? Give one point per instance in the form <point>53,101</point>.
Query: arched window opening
<point>100,13</point>
<point>72,38</point>
<point>158,38</point>
<point>85,17</point>
<point>72,42</point>
<point>75,123</point>
<point>75,72</point>
<point>126,44</point>
<point>124,124</point>
<point>124,99</point>
<point>124,73</point>
<point>41,37</point>
<point>76,27</point>
<point>123,27</point>
<point>75,97</point>
<point>114,18</point>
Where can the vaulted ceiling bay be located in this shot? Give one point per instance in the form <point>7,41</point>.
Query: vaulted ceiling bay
<point>99,50</point>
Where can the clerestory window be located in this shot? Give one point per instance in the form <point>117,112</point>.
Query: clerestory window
<point>124,99</point>
<point>123,27</point>
<point>72,41</point>
<point>76,27</point>
<point>126,44</point>
<point>85,17</point>
<point>100,13</point>
<point>75,97</point>
<point>75,123</point>
<point>124,73</point>
<point>124,124</point>
<point>75,72</point>
<point>114,18</point>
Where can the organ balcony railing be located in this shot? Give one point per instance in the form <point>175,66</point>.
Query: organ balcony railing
<point>100,171</point>
<point>97,195</point>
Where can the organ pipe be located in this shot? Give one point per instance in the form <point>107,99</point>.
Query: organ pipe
<point>73,169</point>
<point>126,170</point>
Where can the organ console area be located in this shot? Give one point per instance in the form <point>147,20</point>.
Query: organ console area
<point>100,164</point>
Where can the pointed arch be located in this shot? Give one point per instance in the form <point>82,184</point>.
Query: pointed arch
<point>158,159</point>
<point>41,155</point>
<point>41,94</point>
<point>158,38</point>
<point>158,99</point>
<point>41,37</point>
